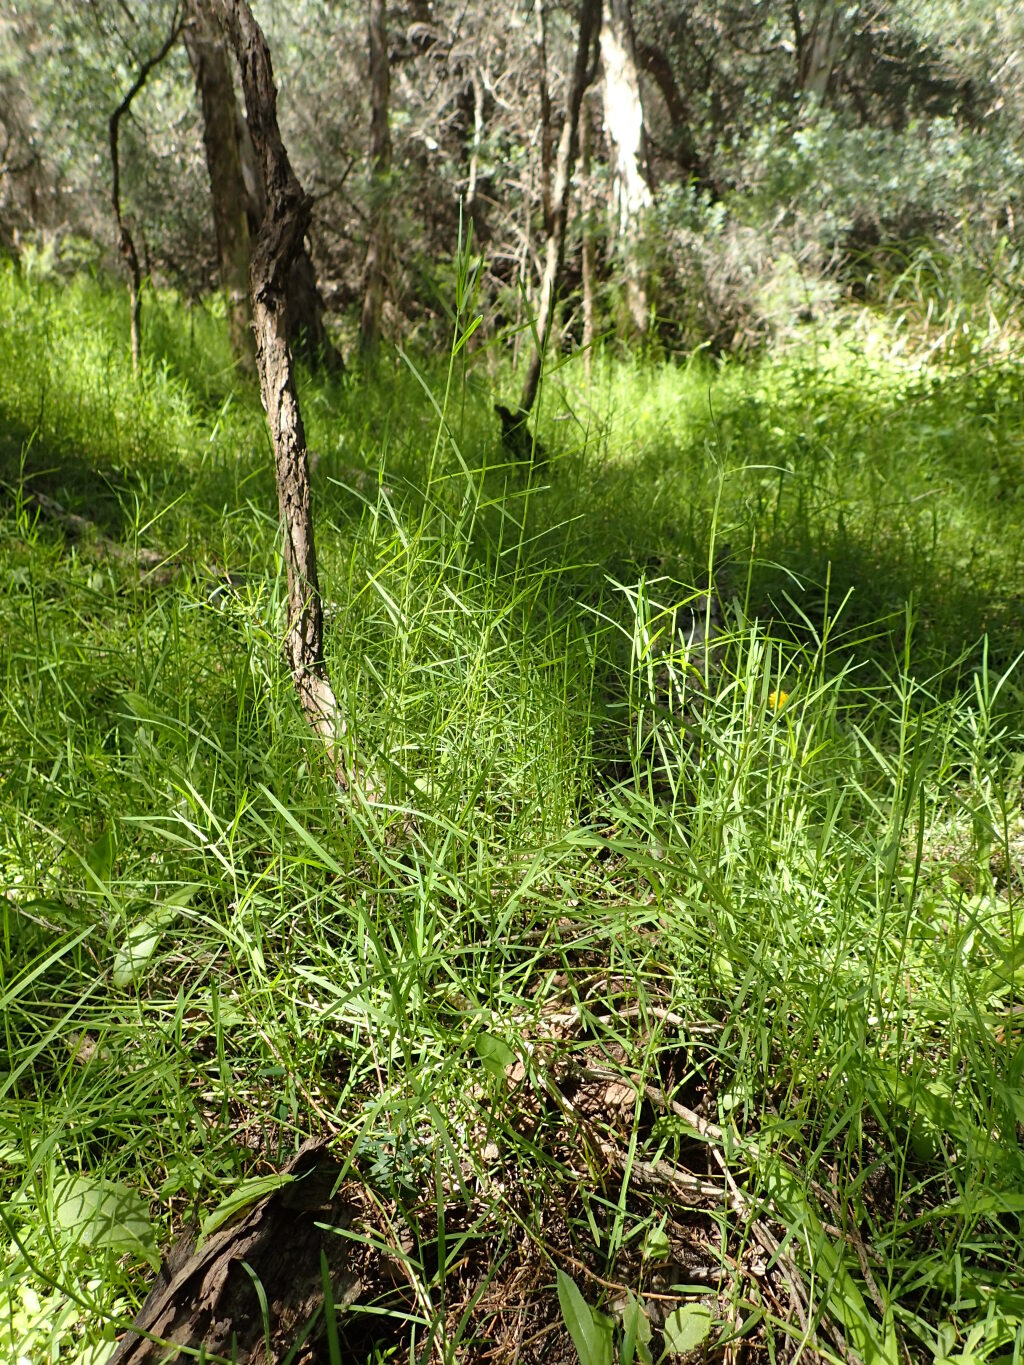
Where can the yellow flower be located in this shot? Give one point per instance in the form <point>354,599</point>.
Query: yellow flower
<point>777,700</point>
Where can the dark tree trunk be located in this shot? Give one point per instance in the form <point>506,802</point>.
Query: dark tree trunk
<point>125,241</point>
<point>584,70</point>
<point>656,64</point>
<point>207,1299</point>
<point>380,167</point>
<point>208,55</point>
<point>546,138</point>
<point>307,331</point>
<point>306,326</point>
<point>275,248</point>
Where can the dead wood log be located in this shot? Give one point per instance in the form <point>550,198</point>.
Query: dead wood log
<point>155,569</point>
<point>207,1301</point>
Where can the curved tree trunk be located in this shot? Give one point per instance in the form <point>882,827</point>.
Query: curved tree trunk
<point>684,146</point>
<point>204,43</point>
<point>125,241</point>
<point>624,125</point>
<point>275,248</point>
<point>380,167</point>
<point>584,69</point>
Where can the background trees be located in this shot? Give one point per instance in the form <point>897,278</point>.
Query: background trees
<point>678,952</point>
<point>756,161</point>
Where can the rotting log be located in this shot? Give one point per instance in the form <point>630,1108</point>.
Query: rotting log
<point>256,1285</point>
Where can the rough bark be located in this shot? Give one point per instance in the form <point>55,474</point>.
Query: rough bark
<point>380,168</point>
<point>307,331</point>
<point>305,303</point>
<point>275,248</point>
<point>125,241</point>
<point>624,126</point>
<point>208,55</point>
<point>584,70</point>
<point>207,1300</point>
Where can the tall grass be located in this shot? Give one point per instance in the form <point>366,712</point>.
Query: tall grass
<point>776,882</point>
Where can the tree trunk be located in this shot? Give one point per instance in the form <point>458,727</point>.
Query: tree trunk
<point>624,125</point>
<point>380,167</point>
<point>275,248</point>
<point>546,139</point>
<point>584,69</point>
<point>125,241</point>
<point>653,60</point>
<point>306,328</point>
<point>817,47</point>
<point>207,53</point>
<point>587,252</point>
<point>248,1291</point>
<point>478,137</point>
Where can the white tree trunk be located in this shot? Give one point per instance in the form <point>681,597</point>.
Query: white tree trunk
<point>624,127</point>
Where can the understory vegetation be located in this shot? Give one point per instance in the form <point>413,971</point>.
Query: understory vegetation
<point>684,969</point>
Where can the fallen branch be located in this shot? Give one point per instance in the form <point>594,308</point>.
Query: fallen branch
<point>155,569</point>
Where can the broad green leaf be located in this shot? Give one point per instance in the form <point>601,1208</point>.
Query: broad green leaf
<point>106,1216</point>
<point>686,1327</point>
<point>142,938</point>
<point>591,1331</point>
<point>139,706</point>
<point>495,1054</point>
<point>139,945</point>
<point>240,1200</point>
<point>636,1333</point>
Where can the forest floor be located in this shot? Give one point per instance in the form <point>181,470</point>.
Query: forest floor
<point>668,999</point>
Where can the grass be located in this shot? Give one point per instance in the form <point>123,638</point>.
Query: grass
<point>626,914</point>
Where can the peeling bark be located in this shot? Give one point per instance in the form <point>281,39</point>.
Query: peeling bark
<point>624,126</point>
<point>275,248</point>
<point>584,70</point>
<point>817,47</point>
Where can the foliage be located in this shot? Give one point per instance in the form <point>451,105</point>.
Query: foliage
<point>805,849</point>
<point>771,202</point>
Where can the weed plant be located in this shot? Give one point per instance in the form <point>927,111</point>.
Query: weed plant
<point>775,882</point>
